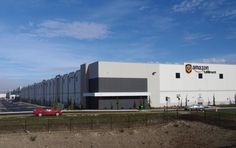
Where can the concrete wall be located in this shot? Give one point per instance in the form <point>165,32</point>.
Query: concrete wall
<point>161,83</point>
<point>194,89</point>
<point>93,70</point>
<point>71,85</point>
<point>56,88</point>
<point>134,70</point>
<point>77,87</point>
<point>84,76</point>
<point>47,92</point>
<point>65,89</point>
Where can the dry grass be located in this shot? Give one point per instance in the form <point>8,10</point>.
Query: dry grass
<point>182,134</point>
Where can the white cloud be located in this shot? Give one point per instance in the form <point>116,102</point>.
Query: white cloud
<point>24,59</point>
<point>211,5</point>
<point>225,59</point>
<point>76,29</point>
<point>194,37</point>
<point>231,35</point>
<point>217,9</point>
<point>142,8</point>
<point>230,13</point>
<point>214,60</point>
<point>191,5</point>
<point>187,5</point>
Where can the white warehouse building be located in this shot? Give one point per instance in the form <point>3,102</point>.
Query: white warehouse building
<point>118,85</point>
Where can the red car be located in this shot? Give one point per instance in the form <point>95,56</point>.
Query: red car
<point>42,112</point>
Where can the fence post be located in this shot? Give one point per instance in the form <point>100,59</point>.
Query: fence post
<point>48,125</point>
<point>177,113</point>
<point>219,118</point>
<point>111,123</point>
<point>205,115</point>
<point>128,121</point>
<point>25,126</point>
<point>91,123</point>
<point>164,117</point>
<point>167,117</point>
<point>70,124</point>
<point>146,120</point>
<point>191,116</point>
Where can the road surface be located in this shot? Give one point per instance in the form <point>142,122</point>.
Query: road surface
<point>8,106</point>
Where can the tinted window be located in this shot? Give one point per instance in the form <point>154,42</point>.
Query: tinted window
<point>221,76</point>
<point>200,75</point>
<point>177,75</point>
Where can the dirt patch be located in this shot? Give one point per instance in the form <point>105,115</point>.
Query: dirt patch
<point>174,134</point>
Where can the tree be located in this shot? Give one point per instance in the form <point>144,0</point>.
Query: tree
<point>81,105</point>
<point>117,103</point>
<point>111,106</point>
<point>214,100</point>
<point>208,103</point>
<point>70,103</point>
<point>57,105</point>
<point>149,103</point>
<point>134,105</point>
<point>186,101</point>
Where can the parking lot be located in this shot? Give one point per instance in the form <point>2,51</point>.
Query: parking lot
<point>9,106</point>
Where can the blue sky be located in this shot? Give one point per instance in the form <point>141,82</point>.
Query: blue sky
<point>42,38</point>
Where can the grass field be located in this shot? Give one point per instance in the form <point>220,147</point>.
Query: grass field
<point>86,121</point>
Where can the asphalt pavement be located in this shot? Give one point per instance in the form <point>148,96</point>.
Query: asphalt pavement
<point>222,109</point>
<point>9,106</point>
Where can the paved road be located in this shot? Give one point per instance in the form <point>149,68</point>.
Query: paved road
<point>223,109</point>
<point>7,106</point>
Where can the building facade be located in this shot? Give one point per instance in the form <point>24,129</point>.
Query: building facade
<point>120,85</point>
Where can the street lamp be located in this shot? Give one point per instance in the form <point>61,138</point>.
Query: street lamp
<point>167,99</point>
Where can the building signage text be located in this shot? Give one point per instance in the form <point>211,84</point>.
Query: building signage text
<point>198,68</point>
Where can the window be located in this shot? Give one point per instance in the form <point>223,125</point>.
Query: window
<point>177,75</point>
<point>221,76</point>
<point>200,76</point>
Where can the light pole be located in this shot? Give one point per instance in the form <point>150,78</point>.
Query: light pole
<point>178,97</point>
<point>167,99</point>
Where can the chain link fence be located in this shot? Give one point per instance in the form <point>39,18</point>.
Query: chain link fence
<point>112,121</point>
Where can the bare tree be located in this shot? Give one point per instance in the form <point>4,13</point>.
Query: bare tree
<point>214,100</point>
<point>186,101</point>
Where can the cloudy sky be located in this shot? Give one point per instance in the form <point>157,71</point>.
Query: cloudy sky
<point>42,38</point>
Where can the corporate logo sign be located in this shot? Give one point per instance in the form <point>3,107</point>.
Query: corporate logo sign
<point>188,68</point>
<point>198,68</point>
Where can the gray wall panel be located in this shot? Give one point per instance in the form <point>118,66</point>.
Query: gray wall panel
<point>118,85</point>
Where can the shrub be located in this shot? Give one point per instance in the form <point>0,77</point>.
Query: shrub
<point>57,105</point>
<point>121,130</point>
<point>33,138</point>
<point>70,103</point>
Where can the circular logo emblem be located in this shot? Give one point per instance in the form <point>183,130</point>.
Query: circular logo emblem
<point>188,68</point>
